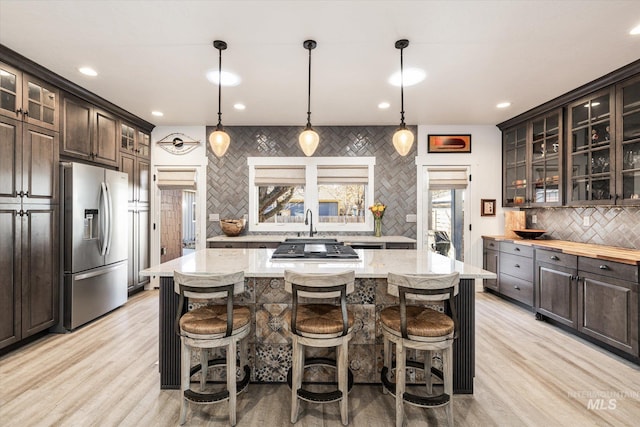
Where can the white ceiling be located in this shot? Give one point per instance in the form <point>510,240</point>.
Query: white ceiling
<point>153,55</point>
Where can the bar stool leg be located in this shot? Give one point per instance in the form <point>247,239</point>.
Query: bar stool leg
<point>386,358</point>
<point>296,376</point>
<point>185,378</point>
<point>343,369</point>
<point>204,367</point>
<point>231,381</point>
<point>447,369</point>
<point>400,382</point>
<point>428,359</point>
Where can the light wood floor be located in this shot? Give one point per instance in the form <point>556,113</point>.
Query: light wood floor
<point>528,373</point>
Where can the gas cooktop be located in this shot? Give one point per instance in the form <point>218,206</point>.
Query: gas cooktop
<point>314,249</point>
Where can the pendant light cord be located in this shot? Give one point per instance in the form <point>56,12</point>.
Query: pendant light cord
<point>401,91</point>
<point>219,87</point>
<point>309,92</point>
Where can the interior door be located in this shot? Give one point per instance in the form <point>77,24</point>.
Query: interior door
<point>446,210</point>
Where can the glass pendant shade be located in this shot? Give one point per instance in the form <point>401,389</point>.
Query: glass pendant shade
<point>403,140</point>
<point>219,141</point>
<point>309,140</point>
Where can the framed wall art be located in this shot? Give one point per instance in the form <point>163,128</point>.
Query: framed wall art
<point>449,143</point>
<point>488,207</point>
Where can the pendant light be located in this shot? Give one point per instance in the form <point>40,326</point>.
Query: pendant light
<point>309,139</point>
<point>403,138</point>
<point>219,139</point>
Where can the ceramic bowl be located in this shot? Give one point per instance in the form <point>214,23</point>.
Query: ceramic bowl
<point>232,227</point>
<point>529,233</point>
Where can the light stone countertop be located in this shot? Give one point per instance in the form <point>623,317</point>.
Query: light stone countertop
<point>372,264</point>
<point>264,238</point>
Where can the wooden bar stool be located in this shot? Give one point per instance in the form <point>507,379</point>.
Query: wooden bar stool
<point>421,328</point>
<point>320,325</point>
<point>208,327</point>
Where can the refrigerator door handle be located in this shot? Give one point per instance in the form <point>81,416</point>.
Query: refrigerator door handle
<point>110,216</point>
<point>104,208</point>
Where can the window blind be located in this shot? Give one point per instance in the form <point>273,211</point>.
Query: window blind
<point>447,178</point>
<point>279,175</point>
<point>343,174</point>
<point>177,179</point>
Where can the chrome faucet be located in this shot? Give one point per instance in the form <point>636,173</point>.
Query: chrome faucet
<point>309,223</point>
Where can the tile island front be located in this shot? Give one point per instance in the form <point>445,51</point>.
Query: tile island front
<point>269,343</point>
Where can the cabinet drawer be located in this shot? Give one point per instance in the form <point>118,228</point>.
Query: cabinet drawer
<point>609,268</point>
<point>227,245</point>
<point>398,245</point>
<point>517,266</point>
<point>262,245</point>
<point>512,248</point>
<point>518,289</point>
<point>556,258</point>
<point>490,244</point>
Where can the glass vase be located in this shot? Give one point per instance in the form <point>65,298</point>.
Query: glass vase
<point>377,227</point>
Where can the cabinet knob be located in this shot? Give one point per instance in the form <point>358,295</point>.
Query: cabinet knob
<point>604,267</point>
<point>516,287</point>
<point>555,258</point>
<point>517,266</point>
<point>517,249</point>
<point>25,113</point>
<point>18,111</point>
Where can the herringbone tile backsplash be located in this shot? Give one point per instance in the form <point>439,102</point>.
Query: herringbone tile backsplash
<point>613,226</point>
<point>395,176</point>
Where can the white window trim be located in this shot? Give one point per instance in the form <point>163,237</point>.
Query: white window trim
<point>311,192</point>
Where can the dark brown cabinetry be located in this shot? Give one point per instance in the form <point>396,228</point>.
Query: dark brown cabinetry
<point>491,262</point>
<point>134,160</point>
<point>628,139</point>
<point>581,148</point>
<point>556,286</point>
<point>532,157</point>
<point>28,99</point>
<point>29,229</point>
<point>608,303</point>
<point>591,160</point>
<point>516,272</point>
<point>88,133</point>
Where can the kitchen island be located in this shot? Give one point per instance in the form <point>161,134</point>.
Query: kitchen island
<point>269,343</point>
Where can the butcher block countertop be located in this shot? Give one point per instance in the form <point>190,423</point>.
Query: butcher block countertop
<point>609,253</point>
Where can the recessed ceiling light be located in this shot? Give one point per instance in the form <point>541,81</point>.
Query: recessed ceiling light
<point>504,104</point>
<point>157,113</point>
<point>228,79</point>
<point>88,71</point>
<point>239,106</point>
<point>384,105</point>
<point>635,31</point>
<point>412,76</point>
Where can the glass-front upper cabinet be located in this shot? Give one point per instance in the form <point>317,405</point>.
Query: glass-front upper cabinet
<point>514,146</point>
<point>25,98</point>
<point>628,139</point>
<point>546,160</point>
<point>591,158</point>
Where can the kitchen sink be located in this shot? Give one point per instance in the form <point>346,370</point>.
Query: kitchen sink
<point>312,248</point>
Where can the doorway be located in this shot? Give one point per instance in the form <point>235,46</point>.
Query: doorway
<point>446,212</point>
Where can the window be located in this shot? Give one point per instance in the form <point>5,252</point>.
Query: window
<point>336,190</point>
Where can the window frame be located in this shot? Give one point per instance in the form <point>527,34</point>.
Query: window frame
<point>311,201</point>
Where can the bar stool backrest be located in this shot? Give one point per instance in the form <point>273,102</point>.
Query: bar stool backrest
<point>319,281</point>
<point>208,285</point>
<point>432,282</point>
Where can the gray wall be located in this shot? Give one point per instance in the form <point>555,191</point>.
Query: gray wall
<point>612,226</point>
<point>395,176</point>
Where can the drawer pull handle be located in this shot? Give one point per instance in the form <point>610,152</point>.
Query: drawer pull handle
<point>517,265</point>
<point>491,244</point>
<point>517,249</point>
<point>604,267</point>
<point>517,287</point>
<point>555,258</point>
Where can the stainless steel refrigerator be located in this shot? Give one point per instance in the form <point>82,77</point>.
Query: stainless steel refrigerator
<point>95,242</point>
